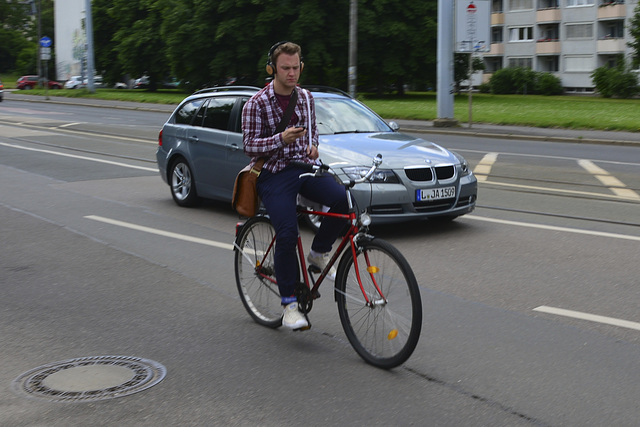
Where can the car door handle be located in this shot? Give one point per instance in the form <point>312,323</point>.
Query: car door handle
<point>233,147</point>
<point>194,139</point>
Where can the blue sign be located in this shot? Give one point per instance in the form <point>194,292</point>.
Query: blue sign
<point>45,42</point>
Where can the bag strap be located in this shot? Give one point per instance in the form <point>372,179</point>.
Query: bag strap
<point>286,118</point>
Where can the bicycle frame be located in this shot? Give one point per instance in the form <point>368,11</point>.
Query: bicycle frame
<point>350,238</point>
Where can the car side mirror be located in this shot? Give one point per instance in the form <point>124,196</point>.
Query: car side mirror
<point>394,126</point>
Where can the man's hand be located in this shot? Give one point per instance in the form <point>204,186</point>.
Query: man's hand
<point>291,134</point>
<point>312,152</point>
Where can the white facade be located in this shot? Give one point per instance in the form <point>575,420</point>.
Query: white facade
<point>568,38</point>
<point>70,38</point>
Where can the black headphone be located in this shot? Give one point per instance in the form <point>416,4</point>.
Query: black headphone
<point>271,67</point>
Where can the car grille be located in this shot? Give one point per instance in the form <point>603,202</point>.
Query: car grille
<point>426,174</point>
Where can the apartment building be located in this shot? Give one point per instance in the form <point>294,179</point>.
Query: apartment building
<point>569,38</point>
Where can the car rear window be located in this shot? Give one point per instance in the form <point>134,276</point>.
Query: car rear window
<point>218,113</point>
<point>187,112</point>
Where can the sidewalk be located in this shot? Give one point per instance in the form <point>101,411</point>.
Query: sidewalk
<point>477,129</point>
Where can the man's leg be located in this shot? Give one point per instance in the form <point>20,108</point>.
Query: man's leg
<point>279,194</point>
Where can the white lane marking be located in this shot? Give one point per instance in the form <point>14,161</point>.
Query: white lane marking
<point>614,184</point>
<point>554,228</point>
<point>161,232</point>
<point>557,190</point>
<point>483,168</point>
<point>74,156</point>
<point>70,124</point>
<point>587,316</point>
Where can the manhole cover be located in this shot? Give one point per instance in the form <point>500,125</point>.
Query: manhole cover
<point>90,378</point>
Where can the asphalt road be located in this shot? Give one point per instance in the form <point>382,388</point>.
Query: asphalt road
<point>98,260</point>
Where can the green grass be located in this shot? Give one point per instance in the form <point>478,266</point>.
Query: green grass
<point>574,112</point>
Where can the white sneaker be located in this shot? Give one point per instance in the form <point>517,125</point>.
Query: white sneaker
<point>321,261</point>
<point>293,318</point>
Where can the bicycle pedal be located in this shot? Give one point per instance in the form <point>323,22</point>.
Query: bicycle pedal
<point>314,269</point>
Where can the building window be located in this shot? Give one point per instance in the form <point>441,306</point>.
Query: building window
<point>571,3</point>
<point>492,64</point>
<point>496,35</point>
<point>496,6</point>
<point>613,30</point>
<point>521,34</point>
<point>521,62</point>
<point>548,32</point>
<point>579,31</point>
<point>578,63</point>
<point>549,64</point>
<point>520,4</point>
<point>547,4</point>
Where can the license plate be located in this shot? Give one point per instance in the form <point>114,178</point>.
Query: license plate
<point>435,194</point>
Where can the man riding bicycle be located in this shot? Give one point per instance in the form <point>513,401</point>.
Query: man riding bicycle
<point>279,182</point>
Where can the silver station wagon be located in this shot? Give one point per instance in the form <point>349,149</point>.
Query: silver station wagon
<point>200,152</point>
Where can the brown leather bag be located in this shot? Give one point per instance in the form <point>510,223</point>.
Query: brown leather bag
<point>245,194</point>
<point>245,198</point>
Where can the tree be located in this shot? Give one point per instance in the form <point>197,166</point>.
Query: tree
<point>634,33</point>
<point>461,68</point>
<point>618,81</point>
<point>140,47</point>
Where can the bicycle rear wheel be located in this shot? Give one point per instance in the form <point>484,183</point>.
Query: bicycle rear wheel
<point>255,272</point>
<point>384,330</point>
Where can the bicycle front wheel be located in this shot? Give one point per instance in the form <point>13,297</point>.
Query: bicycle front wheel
<point>382,318</point>
<point>255,272</point>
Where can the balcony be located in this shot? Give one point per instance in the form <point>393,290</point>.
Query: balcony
<point>496,49</point>
<point>497,19</point>
<point>548,15</point>
<point>609,45</point>
<point>548,46</point>
<point>612,10</point>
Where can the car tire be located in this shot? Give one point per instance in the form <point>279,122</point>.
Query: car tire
<point>182,184</point>
<point>55,87</point>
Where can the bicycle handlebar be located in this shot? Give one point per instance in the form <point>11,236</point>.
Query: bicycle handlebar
<point>313,170</point>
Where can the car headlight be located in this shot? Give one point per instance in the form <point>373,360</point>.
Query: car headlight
<point>379,176</point>
<point>464,165</point>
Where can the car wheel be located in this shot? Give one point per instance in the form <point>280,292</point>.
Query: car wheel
<point>55,87</point>
<point>183,187</point>
<point>28,87</point>
<point>312,221</point>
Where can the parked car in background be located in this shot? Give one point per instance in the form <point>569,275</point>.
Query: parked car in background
<point>141,83</point>
<point>97,82</point>
<point>200,152</point>
<point>29,82</point>
<point>120,85</point>
<point>74,82</point>
<point>1,91</point>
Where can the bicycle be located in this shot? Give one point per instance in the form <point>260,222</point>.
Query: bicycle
<point>375,288</point>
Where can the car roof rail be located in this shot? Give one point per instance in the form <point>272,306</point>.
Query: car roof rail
<point>326,89</point>
<point>226,88</point>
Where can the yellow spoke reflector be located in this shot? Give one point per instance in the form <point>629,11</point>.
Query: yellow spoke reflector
<point>392,334</point>
<point>373,269</point>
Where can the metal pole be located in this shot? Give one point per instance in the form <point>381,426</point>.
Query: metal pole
<point>353,48</point>
<point>89,28</point>
<point>39,37</point>
<point>444,96</point>
<point>470,88</point>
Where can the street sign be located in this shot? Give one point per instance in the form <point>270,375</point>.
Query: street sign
<point>45,41</point>
<point>45,53</point>
<point>472,26</point>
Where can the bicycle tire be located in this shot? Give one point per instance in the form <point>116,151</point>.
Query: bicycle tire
<point>385,332</point>
<point>258,290</point>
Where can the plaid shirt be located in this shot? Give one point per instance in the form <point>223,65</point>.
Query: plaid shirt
<point>260,117</point>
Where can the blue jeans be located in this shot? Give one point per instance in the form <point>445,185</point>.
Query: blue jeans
<point>279,193</point>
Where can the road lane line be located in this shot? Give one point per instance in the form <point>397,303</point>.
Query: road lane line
<point>614,184</point>
<point>483,168</point>
<point>161,232</point>
<point>74,156</point>
<point>554,228</point>
<point>558,190</point>
<point>590,317</point>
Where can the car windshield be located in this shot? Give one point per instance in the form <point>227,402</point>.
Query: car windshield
<point>339,115</point>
